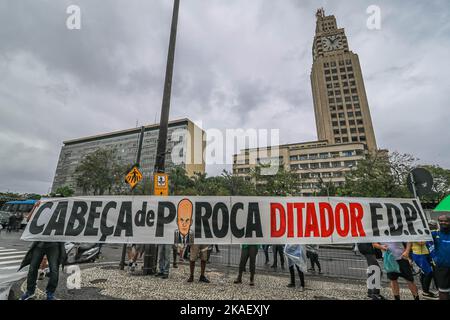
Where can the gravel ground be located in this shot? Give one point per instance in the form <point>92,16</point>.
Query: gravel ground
<point>108,282</point>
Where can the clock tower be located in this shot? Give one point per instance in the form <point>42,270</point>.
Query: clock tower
<point>340,102</point>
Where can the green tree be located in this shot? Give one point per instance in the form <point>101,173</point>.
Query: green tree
<point>101,172</point>
<point>379,175</point>
<point>65,191</point>
<point>282,183</point>
<point>236,186</point>
<point>441,183</point>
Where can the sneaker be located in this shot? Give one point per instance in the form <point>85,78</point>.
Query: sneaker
<point>377,297</point>
<point>191,279</point>
<point>203,279</point>
<point>291,285</point>
<point>301,289</point>
<point>273,266</point>
<point>252,283</point>
<point>27,296</point>
<point>175,266</point>
<point>165,276</point>
<point>159,274</point>
<point>237,281</point>
<point>429,295</point>
<point>320,272</point>
<point>50,296</point>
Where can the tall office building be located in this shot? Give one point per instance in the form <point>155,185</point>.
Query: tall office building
<point>340,102</point>
<point>185,145</point>
<point>344,125</point>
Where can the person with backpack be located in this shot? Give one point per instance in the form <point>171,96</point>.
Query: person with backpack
<point>401,255</point>
<point>372,255</point>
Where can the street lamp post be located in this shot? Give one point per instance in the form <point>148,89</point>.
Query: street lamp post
<point>150,257</point>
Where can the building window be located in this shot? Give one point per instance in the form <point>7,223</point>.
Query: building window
<point>348,62</point>
<point>304,166</point>
<point>336,164</point>
<point>328,78</point>
<point>347,153</point>
<point>331,100</point>
<point>303,157</point>
<point>335,78</point>
<point>325,165</point>
<point>358,113</point>
<point>337,140</point>
<point>314,166</point>
<point>294,167</point>
<point>344,139</point>
<point>336,131</point>
<point>293,158</point>
<point>355,98</point>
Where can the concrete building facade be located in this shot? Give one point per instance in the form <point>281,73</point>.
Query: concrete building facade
<point>343,121</point>
<point>313,162</point>
<point>185,147</point>
<point>340,101</point>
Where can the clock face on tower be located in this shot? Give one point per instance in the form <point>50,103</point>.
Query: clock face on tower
<point>331,43</point>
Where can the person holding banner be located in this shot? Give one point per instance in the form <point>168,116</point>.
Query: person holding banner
<point>296,256</point>
<point>440,252</point>
<point>278,249</point>
<point>372,255</point>
<point>401,255</point>
<point>198,250</point>
<point>248,251</point>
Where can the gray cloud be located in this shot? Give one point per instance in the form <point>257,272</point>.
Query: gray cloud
<point>239,64</point>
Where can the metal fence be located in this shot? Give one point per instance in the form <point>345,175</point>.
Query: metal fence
<point>335,261</point>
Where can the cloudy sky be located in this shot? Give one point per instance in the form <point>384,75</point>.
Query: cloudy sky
<point>239,64</point>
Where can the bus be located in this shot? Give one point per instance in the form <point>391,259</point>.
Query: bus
<point>20,208</point>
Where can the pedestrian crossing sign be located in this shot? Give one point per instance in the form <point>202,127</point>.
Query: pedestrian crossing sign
<point>161,184</point>
<point>133,177</point>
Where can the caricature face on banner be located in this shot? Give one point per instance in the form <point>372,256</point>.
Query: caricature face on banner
<point>227,220</point>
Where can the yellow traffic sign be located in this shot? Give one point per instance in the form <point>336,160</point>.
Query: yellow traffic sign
<point>161,183</point>
<point>133,177</point>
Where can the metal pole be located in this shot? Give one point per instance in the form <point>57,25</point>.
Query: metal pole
<point>138,162</point>
<point>150,256</point>
<point>413,184</point>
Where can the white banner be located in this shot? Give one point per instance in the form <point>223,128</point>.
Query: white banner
<point>227,220</point>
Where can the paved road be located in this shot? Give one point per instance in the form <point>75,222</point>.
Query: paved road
<point>335,262</point>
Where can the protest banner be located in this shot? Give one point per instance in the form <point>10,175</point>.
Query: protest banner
<point>227,220</point>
